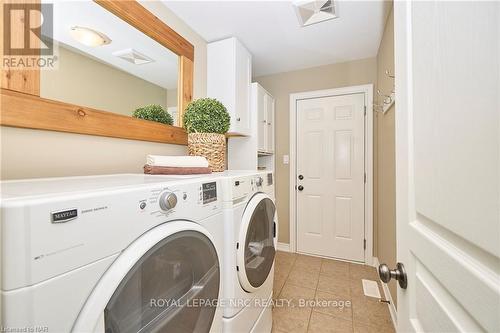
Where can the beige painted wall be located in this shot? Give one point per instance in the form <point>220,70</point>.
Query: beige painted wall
<point>29,153</point>
<point>281,85</point>
<point>84,81</point>
<point>386,162</point>
<point>172,97</point>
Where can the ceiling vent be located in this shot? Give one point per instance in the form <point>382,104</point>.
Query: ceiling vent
<point>133,56</point>
<point>315,11</point>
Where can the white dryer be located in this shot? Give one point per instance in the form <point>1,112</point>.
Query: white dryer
<point>119,253</point>
<point>250,247</point>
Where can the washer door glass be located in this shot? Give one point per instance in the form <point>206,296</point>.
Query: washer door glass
<point>162,292</point>
<point>259,243</point>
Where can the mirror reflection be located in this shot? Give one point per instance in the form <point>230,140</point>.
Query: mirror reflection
<point>106,64</point>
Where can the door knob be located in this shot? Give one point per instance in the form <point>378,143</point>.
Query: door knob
<point>398,274</point>
<point>301,177</point>
<point>300,187</point>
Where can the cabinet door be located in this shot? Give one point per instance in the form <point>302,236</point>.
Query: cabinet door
<point>270,124</point>
<point>243,81</point>
<point>221,75</point>
<point>262,119</point>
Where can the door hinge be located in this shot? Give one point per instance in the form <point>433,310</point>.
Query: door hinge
<point>364,244</point>
<point>365,110</point>
<point>365,178</point>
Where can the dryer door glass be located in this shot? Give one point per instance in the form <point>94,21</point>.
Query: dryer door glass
<point>162,290</point>
<point>259,243</point>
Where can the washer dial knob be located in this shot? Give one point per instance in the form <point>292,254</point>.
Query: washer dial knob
<point>168,200</point>
<point>259,181</point>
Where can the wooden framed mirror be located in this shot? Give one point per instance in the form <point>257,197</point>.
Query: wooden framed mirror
<point>146,62</point>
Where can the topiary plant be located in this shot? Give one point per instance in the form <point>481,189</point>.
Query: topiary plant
<point>154,112</point>
<point>206,115</point>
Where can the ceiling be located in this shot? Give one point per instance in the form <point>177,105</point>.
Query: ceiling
<point>162,71</point>
<point>271,31</point>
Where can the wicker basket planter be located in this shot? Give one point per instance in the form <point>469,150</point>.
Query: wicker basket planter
<point>212,146</point>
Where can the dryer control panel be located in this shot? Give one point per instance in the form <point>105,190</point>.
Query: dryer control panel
<point>209,192</point>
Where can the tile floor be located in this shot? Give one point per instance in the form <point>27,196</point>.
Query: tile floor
<point>336,290</point>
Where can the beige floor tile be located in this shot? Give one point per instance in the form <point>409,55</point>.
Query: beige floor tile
<point>307,277</point>
<point>333,305</point>
<point>369,311</point>
<point>302,258</point>
<point>305,257</point>
<point>275,330</point>
<point>308,263</point>
<point>356,287</point>
<point>303,277</point>
<point>276,292</point>
<point>359,271</point>
<point>335,268</point>
<point>321,323</point>
<point>291,319</point>
<point>278,285</point>
<point>363,328</point>
<point>283,267</point>
<point>339,287</point>
<point>283,257</point>
<point>308,266</point>
<point>295,294</point>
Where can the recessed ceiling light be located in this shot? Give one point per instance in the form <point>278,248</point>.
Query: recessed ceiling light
<point>133,56</point>
<point>89,37</point>
<point>314,11</point>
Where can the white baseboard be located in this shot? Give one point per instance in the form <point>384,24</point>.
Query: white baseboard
<point>283,247</point>
<point>387,295</point>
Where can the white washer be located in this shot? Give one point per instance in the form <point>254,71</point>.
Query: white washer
<point>118,253</point>
<point>250,246</point>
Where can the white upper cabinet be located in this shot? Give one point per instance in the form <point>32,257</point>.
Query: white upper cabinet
<point>259,98</point>
<point>229,77</point>
<point>269,123</point>
<point>264,108</point>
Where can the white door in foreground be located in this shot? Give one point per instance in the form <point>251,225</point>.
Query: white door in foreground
<point>447,165</point>
<point>330,171</point>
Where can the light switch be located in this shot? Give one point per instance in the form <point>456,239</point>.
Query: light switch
<point>286,159</point>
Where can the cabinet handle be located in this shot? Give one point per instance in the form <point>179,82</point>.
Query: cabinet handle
<point>264,121</point>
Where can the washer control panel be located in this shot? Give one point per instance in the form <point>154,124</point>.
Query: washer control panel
<point>181,201</point>
<point>168,200</point>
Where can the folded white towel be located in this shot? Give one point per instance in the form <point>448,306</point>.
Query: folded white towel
<point>177,161</point>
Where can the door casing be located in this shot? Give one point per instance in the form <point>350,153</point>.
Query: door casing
<point>367,89</point>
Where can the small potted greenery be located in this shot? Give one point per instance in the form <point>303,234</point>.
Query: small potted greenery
<point>154,112</point>
<point>206,120</point>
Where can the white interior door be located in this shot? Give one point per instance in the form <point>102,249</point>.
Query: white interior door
<point>330,172</point>
<point>447,157</point>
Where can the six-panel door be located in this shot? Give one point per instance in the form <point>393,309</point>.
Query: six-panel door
<point>330,171</point>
